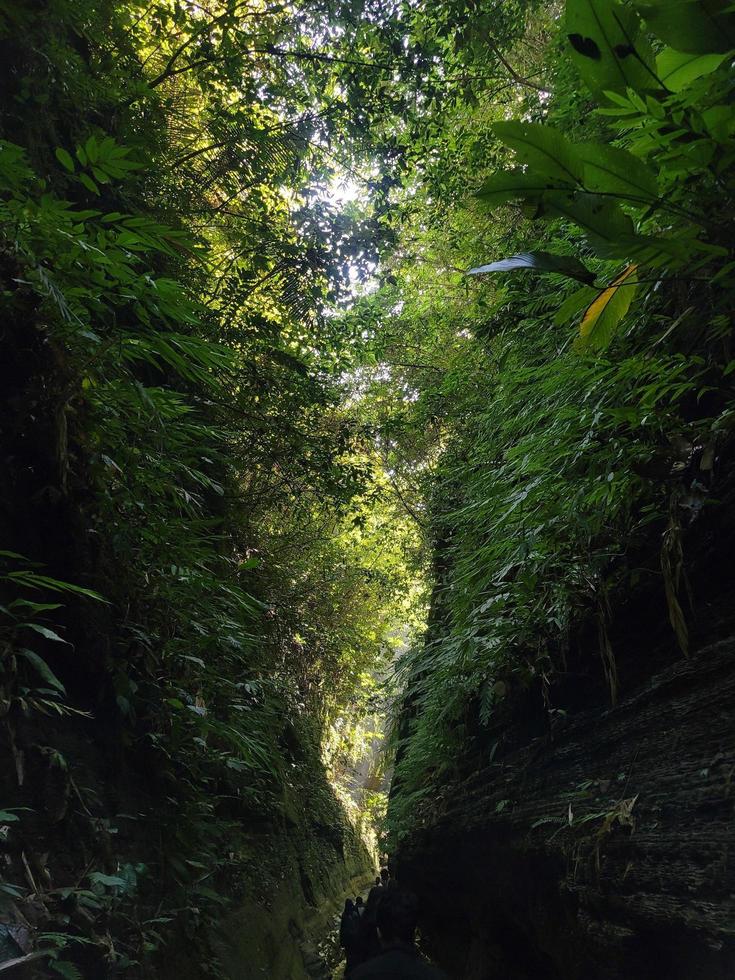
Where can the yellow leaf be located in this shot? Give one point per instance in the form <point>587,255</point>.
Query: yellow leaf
<point>606,311</point>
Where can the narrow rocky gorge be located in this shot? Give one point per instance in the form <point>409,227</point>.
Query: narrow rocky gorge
<point>367,487</point>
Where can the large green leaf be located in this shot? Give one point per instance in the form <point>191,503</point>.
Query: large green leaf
<point>694,26</point>
<point>654,251</point>
<point>677,69</point>
<point>719,121</point>
<point>613,170</point>
<point>600,218</point>
<point>563,265</point>
<point>607,46</point>
<point>509,185</point>
<point>541,148</point>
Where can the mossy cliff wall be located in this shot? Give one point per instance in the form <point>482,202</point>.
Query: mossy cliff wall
<point>296,874</point>
<point>277,932</point>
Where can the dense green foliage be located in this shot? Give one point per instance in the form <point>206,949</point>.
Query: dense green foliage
<point>564,466</point>
<point>249,386</point>
<point>183,474</point>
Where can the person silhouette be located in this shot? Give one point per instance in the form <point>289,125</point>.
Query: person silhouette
<point>348,914</point>
<point>349,935</point>
<point>398,958</point>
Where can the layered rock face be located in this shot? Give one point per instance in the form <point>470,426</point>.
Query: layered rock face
<point>607,851</point>
<point>598,841</point>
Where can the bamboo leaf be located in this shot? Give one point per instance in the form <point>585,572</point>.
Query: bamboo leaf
<point>65,159</point>
<point>42,668</point>
<point>89,183</point>
<point>49,634</point>
<point>36,581</point>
